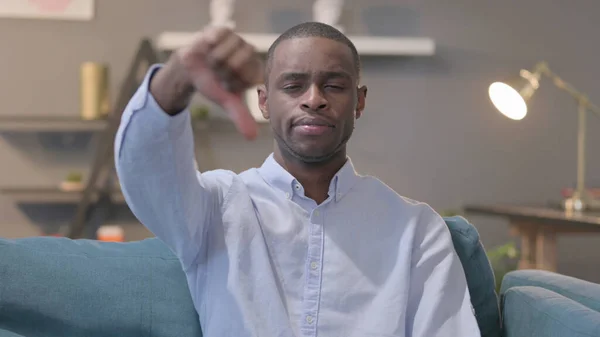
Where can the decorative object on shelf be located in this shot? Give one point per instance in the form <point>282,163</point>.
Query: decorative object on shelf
<point>511,100</point>
<point>95,100</point>
<point>221,13</point>
<point>199,112</point>
<point>73,182</point>
<point>328,12</point>
<point>48,9</point>
<point>568,192</point>
<point>110,233</point>
<point>95,199</point>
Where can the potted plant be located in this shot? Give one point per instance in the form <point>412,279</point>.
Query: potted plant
<point>199,113</point>
<point>503,260</point>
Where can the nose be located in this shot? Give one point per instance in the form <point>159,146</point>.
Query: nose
<point>314,100</point>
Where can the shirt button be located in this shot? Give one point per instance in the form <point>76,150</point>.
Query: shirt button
<point>297,186</point>
<point>314,265</point>
<point>287,195</point>
<point>316,213</point>
<point>309,319</point>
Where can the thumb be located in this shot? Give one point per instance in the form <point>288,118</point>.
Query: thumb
<point>232,103</point>
<point>238,111</point>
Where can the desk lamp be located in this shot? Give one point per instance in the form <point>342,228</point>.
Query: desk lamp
<point>511,100</point>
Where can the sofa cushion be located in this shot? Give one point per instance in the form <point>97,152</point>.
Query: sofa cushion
<point>479,273</point>
<point>61,287</point>
<point>584,292</point>
<point>534,311</point>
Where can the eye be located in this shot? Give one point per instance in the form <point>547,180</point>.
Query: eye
<point>291,87</point>
<point>336,87</point>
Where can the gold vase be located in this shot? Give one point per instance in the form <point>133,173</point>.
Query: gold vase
<point>95,101</point>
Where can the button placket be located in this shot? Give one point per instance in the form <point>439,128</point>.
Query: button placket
<point>312,290</point>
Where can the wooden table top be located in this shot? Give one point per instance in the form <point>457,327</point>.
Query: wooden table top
<point>541,214</point>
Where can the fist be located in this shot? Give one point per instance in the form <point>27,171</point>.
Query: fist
<point>221,66</point>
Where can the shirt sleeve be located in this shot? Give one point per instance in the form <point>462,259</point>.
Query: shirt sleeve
<point>439,300</point>
<point>155,163</point>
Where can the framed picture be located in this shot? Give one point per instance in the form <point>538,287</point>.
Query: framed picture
<point>47,9</point>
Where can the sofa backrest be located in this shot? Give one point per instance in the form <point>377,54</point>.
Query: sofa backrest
<point>62,287</point>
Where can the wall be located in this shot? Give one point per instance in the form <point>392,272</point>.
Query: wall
<point>429,130</point>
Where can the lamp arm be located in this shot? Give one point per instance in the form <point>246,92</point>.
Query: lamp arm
<point>581,98</point>
<point>580,197</point>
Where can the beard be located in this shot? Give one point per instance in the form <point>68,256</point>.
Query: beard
<point>288,150</point>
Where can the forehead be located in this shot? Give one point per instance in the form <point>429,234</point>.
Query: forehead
<point>311,54</point>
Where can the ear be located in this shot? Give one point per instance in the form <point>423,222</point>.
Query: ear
<point>361,93</point>
<point>262,100</point>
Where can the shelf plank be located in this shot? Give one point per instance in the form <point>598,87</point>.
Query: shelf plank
<point>49,124</point>
<point>50,195</point>
<point>366,45</point>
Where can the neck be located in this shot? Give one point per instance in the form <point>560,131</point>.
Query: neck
<point>314,177</point>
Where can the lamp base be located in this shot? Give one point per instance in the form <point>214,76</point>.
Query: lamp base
<point>580,202</point>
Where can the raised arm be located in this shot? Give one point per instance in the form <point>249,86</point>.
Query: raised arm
<point>440,303</point>
<point>154,147</point>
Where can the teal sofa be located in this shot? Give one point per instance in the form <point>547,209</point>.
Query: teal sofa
<point>60,287</point>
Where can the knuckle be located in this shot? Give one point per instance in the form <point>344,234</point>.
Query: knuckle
<point>235,66</point>
<point>214,34</point>
<point>223,32</point>
<point>242,60</point>
<point>236,39</point>
<point>249,49</point>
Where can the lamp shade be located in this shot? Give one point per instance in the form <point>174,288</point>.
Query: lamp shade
<point>510,98</point>
<point>507,100</point>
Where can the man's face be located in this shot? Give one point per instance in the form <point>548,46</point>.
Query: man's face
<point>312,98</point>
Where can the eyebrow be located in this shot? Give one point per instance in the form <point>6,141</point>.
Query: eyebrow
<point>292,76</point>
<point>335,74</point>
<point>298,76</point>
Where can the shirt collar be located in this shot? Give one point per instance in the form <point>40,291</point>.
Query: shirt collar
<point>279,178</point>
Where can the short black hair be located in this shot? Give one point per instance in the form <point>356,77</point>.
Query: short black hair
<point>314,29</point>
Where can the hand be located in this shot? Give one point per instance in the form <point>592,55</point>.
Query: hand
<point>220,65</point>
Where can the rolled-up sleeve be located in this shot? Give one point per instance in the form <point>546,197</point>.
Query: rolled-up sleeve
<point>155,162</point>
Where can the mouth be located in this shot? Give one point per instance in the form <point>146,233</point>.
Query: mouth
<point>313,122</point>
<point>312,127</point>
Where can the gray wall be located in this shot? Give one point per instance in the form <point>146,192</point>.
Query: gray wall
<point>429,130</point>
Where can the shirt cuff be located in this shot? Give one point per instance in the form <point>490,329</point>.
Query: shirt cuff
<point>143,112</point>
<point>153,113</point>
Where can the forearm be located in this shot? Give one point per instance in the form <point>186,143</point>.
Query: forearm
<point>154,155</point>
<point>171,87</point>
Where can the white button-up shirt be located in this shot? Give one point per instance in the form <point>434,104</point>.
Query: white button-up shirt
<point>264,260</point>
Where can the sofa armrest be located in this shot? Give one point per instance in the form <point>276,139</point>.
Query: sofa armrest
<point>586,293</point>
<point>534,311</point>
<point>6,333</point>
